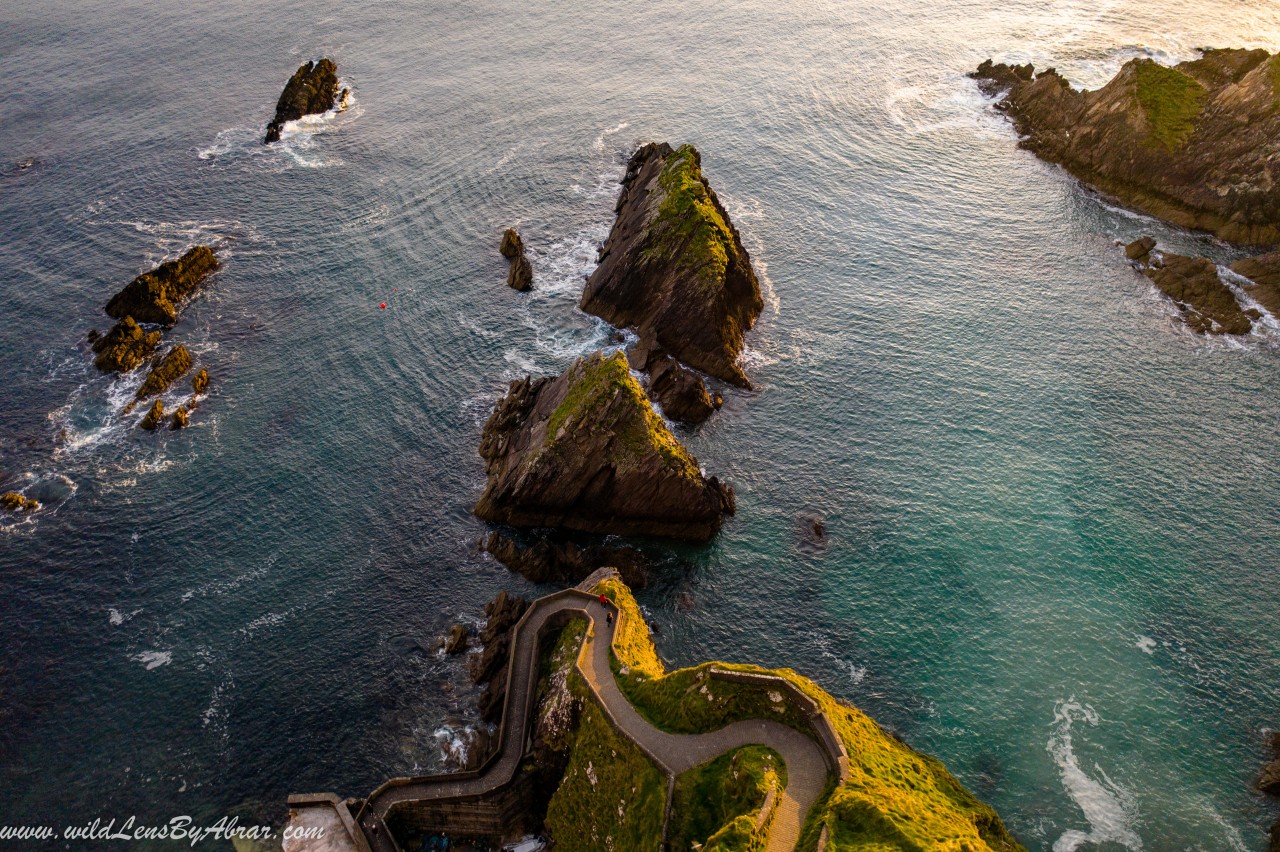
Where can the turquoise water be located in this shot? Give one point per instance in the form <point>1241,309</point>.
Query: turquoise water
<point>1053,513</point>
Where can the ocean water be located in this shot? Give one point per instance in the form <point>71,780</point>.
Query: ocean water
<point>1054,514</point>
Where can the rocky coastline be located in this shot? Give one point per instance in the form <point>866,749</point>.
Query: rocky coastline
<point>1195,144</point>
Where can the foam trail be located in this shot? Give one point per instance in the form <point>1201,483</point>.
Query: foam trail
<point>1107,806</point>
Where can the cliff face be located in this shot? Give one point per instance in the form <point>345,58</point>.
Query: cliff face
<point>1197,144</point>
<point>313,88</point>
<point>587,452</point>
<point>674,268</point>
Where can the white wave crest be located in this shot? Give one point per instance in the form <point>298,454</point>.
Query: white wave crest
<point>1108,807</point>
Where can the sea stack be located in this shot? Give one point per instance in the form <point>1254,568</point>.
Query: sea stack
<point>1207,305</point>
<point>155,296</point>
<point>674,268</point>
<point>1194,144</point>
<point>586,451</point>
<point>520,272</point>
<point>313,88</point>
<point>124,347</point>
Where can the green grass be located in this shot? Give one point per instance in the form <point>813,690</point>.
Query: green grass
<point>716,804</point>
<point>895,797</point>
<point>1172,102</point>
<point>640,433</point>
<point>688,219</point>
<point>611,796</point>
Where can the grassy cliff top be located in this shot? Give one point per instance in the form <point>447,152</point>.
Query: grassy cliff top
<point>639,434</point>
<point>1171,100</point>
<point>689,217</point>
<point>895,799</point>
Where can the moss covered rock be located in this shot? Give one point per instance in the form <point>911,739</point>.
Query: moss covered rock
<point>586,451</point>
<point>1195,144</point>
<point>155,296</point>
<point>124,347</point>
<point>175,364</point>
<point>674,267</point>
<point>894,798</point>
<point>312,89</point>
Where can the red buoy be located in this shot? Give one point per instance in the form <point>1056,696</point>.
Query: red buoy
<point>383,306</point>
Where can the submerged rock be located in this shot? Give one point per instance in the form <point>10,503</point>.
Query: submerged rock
<point>312,89</point>
<point>124,347</point>
<point>156,295</point>
<point>14,502</point>
<point>1194,144</point>
<point>586,451</point>
<point>154,416</point>
<point>674,267</point>
<point>175,364</point>
<point>1206,303</point>
<point>549,561</point>
<point>1263,273</point>
<point>520,272</point>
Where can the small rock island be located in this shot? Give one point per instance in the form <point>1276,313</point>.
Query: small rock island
<point>1205,302</point>
<point>587,452</point>
<point>674,268</point>
<point>1196,144</point>
<point>312,89</point>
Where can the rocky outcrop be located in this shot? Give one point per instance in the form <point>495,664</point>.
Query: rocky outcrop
<point>586,451</point>
<point>550,561</point>
<point>181,418</point>
<point>680,391</point>
<point>153,416</point>
<point>674,267</point>
<point>520,272</point>
<point>200,382</point>
<point>312,89</point>
<point>12,501</point>
<point>456,640</point>
<point>1140,248</point>
<point>175,364</point>
<point>490,666</point>
<point>1207,305</point>
<point>124,347</point>
<point>1197,144</point>
<point>155,296</point>
<point>1263,286</point>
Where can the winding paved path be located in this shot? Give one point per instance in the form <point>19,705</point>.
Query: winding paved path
<point>807,765</point>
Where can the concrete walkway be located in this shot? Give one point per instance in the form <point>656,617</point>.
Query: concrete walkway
<point>807,765</point>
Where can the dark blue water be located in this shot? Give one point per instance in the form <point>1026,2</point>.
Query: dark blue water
<point>1053,513</point>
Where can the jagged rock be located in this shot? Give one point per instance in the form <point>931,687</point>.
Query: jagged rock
<point>180,419</point>
<point>491,665</point>
<point>674,267</point>
<point>520,272</point>
<point>173,366</point>
<point>156,295</point>
<point>1207,305</point>
<point>313,88</point>
<point>15,502</point>
<point>586,451</point>
<point>124,347</point>
<point>1195,144</point>
<point>548,561</point>
<point>680,391</point>
<point>1139,248</point>
<point>200,382</point>
<point>1263,273</point>
<point>511,245</point>
<point>154,416</point>
<point>1269,781</point>
<point>456,640</point>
